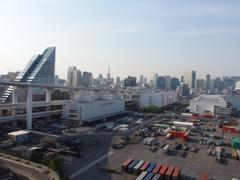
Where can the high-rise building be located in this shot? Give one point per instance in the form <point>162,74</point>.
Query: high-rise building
<point>228,83</point>
<point>208,78</point>
<point>87,79</point>
<point>190,79</point>
<point>140,82</point>
<point>174,83</point>
<point>155,80</point>
<point>130,81</point>
<point>73,77</point>
<point>161,82</point>
<point>217,84</point>
<point>145,82</point>
<point>200,84</point>
<point>40,70</point>
<point>167,82</point>
<point>118,80</point>
<point>183,89</point>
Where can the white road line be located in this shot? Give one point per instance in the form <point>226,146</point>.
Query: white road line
<point>80,171</point>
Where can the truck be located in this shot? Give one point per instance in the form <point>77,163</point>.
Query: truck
<point>166,148</point>
<point>218,153</point>
<point>234,154</point>
<point>238,153</point>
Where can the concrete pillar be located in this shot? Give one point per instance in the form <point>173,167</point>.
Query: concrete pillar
<point>14,101</point>
<point>48,99</point>
<point>29,108</point>
<point>48,95</point>
<point>14,96</point>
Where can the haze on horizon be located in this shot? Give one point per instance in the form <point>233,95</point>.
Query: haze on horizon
<point>132,36</point>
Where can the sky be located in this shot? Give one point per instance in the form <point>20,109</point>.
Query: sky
<point>133,37</point>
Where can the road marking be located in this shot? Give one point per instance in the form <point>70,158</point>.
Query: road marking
<point>80,171</point>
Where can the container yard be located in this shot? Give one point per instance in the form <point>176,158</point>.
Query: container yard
<point>163,147</point>
<point>149,170</point>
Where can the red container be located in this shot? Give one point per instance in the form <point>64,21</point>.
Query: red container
<point>204,176</point>
<point>144,167</point>
<point>157,169</point>
<point>126,163</point>
<point>169,172</point>
<point>230,129</point>
<point>163,170</point>
<point>176,173</point>
<point>179,134</point>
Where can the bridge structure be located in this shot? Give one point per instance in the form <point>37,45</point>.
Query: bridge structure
<point>30,104</point>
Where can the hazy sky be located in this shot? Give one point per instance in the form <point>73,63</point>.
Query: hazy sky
<point>132,36</point>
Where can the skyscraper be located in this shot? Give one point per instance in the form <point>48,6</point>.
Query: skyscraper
<point>161,82</point>
<point>140,82</point>
<point>167,82</point>
<point>87,79</point>
<point>183,89</point>
<point>174,83</point>
<point>155,79</point>
<point>208,78</point>
<point>190,79</point>
<point>200,84</point>
<point>73,77</point>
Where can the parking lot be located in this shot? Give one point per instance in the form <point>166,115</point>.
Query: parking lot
<point>192,162</point>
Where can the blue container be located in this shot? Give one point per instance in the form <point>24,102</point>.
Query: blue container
<point>151,167</point>
<point>131,166</point>
<point>149,176</point>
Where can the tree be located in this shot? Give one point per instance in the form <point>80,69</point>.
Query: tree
<point>56,163</point>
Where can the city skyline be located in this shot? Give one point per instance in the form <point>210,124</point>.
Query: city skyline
<point>167,38</point>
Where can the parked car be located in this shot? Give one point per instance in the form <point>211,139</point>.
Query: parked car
<point>117,146</point>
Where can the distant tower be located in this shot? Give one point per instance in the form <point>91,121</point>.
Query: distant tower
<point>108,74</point>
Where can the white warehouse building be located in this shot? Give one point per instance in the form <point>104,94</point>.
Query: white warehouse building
<point>213,104</point>
<point>157,99</point>
<point>90,109</point>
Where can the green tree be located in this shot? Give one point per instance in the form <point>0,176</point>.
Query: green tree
<point>56,163</point>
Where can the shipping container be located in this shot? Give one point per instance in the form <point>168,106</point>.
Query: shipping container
<point>142,175</point>
<point>169,173</point>
<point>156,177</point>
<point>204,176</point>
<point>148,176</point>
<point>163,170</point>
<point>157,168</point>
<point>230,129</point>
<point>151,167</point>
<point>136,169</point>
<point>236,143</point>
<point>130,166</point>
<point>176,173</point>
<point>144,166</point>
<point>126,163</point>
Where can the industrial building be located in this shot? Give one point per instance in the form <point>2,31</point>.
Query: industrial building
<point>157,99</point>
<point>89,109</point>
<point>209,104</point>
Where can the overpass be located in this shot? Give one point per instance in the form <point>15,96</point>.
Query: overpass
<point>30,104</point>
